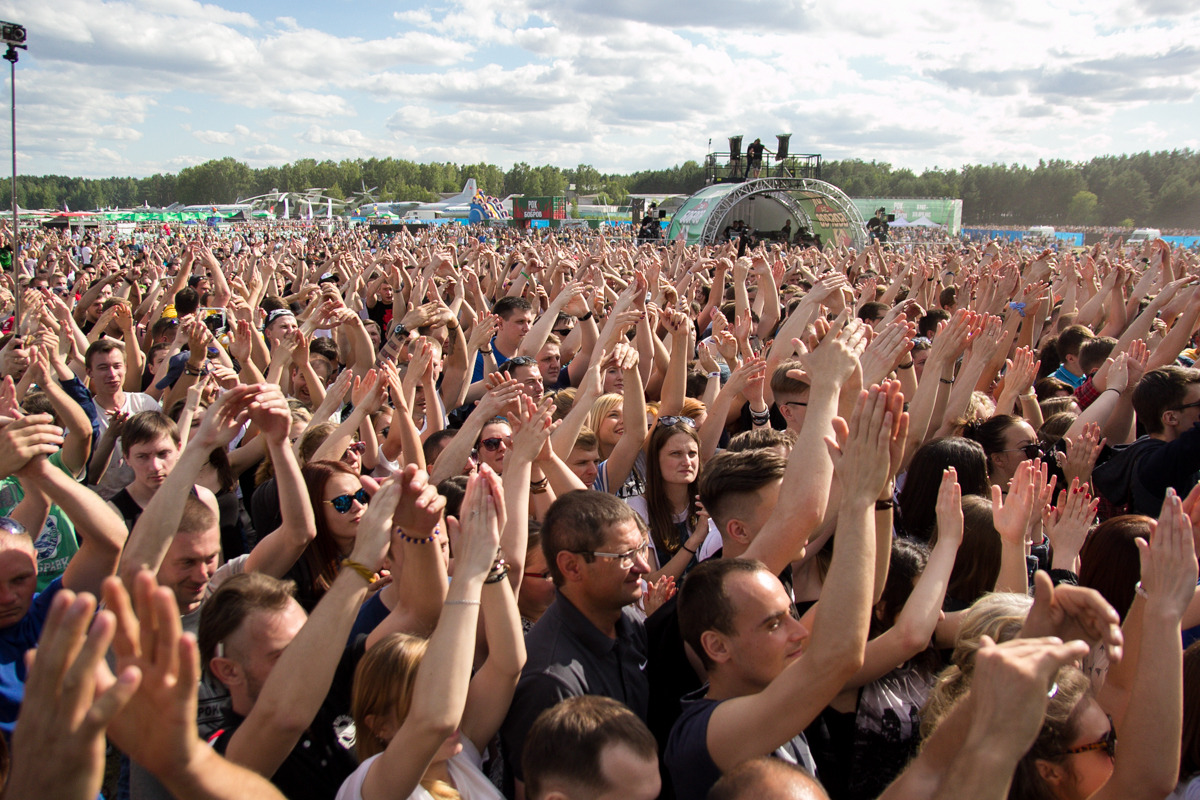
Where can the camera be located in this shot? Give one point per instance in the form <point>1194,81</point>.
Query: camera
<point>12,34</point>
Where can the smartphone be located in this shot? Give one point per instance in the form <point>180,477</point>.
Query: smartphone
<point>215,319</point>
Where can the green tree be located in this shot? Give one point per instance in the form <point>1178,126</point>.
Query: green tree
<point>1082,209</point>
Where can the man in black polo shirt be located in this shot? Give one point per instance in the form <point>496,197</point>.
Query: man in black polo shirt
<point>591,640</point>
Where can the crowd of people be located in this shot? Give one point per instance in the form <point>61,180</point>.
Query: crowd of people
<point>473,513</point>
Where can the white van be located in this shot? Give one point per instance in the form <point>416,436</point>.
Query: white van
<point>1143,235</point>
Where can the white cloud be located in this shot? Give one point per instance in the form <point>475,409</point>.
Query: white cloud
<point>619,84</point>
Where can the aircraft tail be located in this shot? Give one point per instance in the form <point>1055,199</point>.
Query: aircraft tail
<point>467,195</point>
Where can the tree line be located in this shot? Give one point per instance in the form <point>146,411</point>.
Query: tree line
<point>1159,189</point>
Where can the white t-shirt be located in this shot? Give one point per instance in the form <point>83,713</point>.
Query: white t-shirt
<point>119,474</point>
<point>466,770</point>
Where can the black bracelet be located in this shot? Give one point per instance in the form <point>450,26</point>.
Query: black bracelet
<point>885,505</point>
<point>947,382</point>
<point>1118,391</point>
<point>585,317</point>
<point>909,365</point>
<point>685,547</point>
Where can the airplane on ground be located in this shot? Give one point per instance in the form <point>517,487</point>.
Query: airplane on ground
<point>457,207</point>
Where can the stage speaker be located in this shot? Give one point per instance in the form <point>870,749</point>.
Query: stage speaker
<point>782,152</point>
<point>735,148</point>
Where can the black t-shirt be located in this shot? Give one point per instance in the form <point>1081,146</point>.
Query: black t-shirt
<point>324,755</point>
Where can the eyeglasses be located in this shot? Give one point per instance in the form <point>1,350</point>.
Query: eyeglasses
<point>668,421</point>
<point>545,576</point>
<point>624,560</point>
<point>794,403</point>
<point>1108,744</point>
<point>493,444</point>
<point>344,502</point>
<point>1031,451</point>
<point>1187,406</point>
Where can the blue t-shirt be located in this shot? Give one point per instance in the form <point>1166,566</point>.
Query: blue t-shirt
<point>1070,378</point>
<point>692,769</point>
<point>15,641</point>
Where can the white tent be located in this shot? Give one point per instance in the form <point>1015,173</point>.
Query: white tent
<point>900,222</point>
<point>923,222</point>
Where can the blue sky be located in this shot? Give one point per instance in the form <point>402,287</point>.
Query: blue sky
<point>134,87</point>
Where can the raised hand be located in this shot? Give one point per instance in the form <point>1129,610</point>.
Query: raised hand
<point>1067,523</point>
<point>857,445</point>
<point>949,509</point>
<point>1010,514</point>
<point>1169,559</point>
<point>66,710</point>
<point>1081,453</point>
<point>657,593</point>
<point>1073,612</point>
<point>25,439</point>
<point>225,417</point>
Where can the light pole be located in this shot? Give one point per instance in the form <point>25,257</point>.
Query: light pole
<point>13,35</point>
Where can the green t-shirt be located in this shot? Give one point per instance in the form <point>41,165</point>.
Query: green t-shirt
<point>57,543</point>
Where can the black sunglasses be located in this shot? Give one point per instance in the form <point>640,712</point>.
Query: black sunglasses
<point>1031,451</point>
<point>564,332</point>
<point>493,444</point>
<point>344,502</point>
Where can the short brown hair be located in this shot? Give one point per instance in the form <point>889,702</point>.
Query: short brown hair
<point>146,427</point>
<point>100,347</point>
<point>705,605</point>
<point>1161,390</point>
<point>782,384</point>
<point>231,604</point>
<point>198,516</point>
<point>731,478</point>
<point>567,741</point>
<point>577,522</point>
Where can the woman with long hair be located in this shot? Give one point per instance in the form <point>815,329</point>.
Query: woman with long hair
<point>668,507</point>
<point>339,502</point>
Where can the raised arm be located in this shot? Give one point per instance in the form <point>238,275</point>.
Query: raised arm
<point>624,454</point>
<point>101,532</point>
<point>300,679</point>
<point>156,527</point>
<point>754,725</point>
<point>441,687</point>
<point>810,468</point>
<point>278,551</point>
<point>1148,764</point>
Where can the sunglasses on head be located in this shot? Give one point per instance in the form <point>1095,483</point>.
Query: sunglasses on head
<point>493,444</point>
<point>668,421</point>
<point>344,502</point>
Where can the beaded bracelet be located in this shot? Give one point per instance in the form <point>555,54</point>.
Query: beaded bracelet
<point>431,538</point>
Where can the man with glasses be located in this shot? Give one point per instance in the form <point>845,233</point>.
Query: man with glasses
<point>1167,402</point>
<point>591,640</point>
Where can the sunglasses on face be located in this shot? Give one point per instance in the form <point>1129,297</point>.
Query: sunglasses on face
<point>344,502</point>
<point>1031,451</point>
<point>356,447</point>
<point>563,332</point>
<point>493,444</point>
